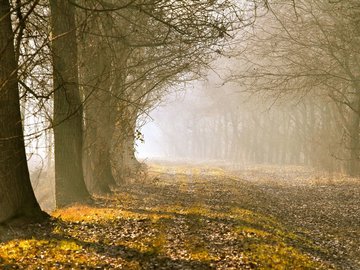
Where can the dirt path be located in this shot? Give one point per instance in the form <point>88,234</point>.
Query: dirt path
<point>187,217</point>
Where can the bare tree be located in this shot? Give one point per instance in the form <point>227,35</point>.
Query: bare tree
<point>309,49</point>
<point>132,53</point>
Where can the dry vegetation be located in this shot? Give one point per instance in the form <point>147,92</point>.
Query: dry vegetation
<point>187,217</point>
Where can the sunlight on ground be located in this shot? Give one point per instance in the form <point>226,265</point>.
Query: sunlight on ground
<point>124,232</point>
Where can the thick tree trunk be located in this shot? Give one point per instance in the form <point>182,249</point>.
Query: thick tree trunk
<point>69,181</point>
<point>17,198</point>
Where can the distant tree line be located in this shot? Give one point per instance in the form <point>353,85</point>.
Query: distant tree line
<point>293,92</point>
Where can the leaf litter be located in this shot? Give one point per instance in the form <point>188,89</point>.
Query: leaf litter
<point>188,217</point>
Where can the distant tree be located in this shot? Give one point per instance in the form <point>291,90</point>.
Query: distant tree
<point>307,48</point>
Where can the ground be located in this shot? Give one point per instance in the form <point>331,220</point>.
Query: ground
<point>200,217</point>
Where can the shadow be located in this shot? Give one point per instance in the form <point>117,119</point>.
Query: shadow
<point>122,254</point>
<point>201,232</point>
<point>146,260</point>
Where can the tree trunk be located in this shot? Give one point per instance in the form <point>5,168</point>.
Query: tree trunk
<point>354,163</point>
<point>99,115</point>
<point>126,164</point>
<point>233,156</point>
<point>17,198</point>
<point>98,138</point>
<point>69,181</point>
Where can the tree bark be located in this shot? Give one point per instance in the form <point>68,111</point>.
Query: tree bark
<point>69,180</point>
<point>17,198</point>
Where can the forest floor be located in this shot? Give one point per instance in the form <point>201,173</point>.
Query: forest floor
<point>200,217</point>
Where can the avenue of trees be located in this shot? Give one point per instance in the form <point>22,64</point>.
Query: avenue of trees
<point>79,74</point>
<point>292,94</point>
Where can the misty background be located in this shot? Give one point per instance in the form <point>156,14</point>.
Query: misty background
<point>282,90</point>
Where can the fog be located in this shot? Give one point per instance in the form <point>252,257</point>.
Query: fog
<point>211,120</point>
<point>275,92</point>
<point>164,130</point>
<point>171,134</point>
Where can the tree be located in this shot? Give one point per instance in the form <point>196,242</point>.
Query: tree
<point>17,198</point>
<point>305,48</point>
<point>143,52</point>
<point>97,84</point>
<point>68,114</point>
